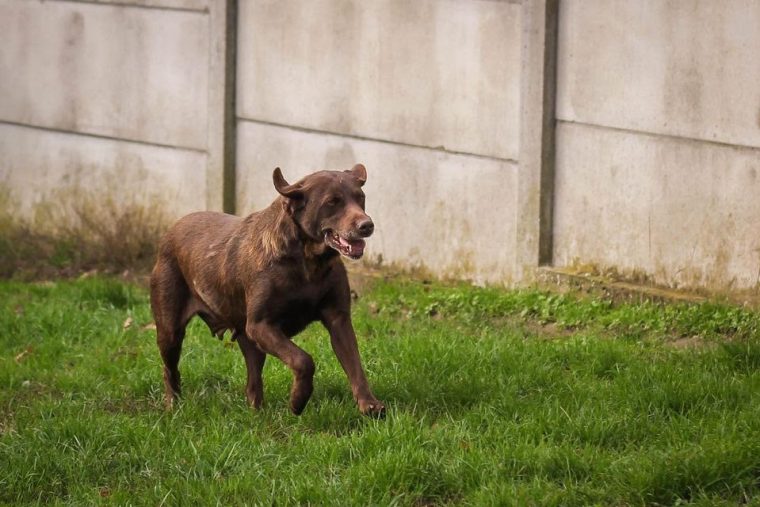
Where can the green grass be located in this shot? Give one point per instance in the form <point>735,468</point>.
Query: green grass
<point>495,398</point>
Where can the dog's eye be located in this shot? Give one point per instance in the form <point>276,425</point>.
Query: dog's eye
<point>333,201</point>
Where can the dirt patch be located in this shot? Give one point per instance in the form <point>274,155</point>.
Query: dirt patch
<point>690,343</point>
<point>635,286</point>
<point>610,286</point>
<point>545,331</point>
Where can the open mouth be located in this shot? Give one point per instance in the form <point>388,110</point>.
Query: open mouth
<point>351,248</point>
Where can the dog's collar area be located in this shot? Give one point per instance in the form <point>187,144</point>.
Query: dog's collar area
<point>351,248</point>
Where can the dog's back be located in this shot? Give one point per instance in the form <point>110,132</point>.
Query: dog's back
<point>198,238</point>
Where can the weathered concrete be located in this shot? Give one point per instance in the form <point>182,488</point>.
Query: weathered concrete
<point>36,164</point>
<point>452,214</point>
<point>121,72</point>
<point>683,68</point>
<point>198,5</point>
<point>427,73</point>
<point>535,182</point>
<point>220,172</point>
<point>684,213</point>
<point>654,95</point>
<point>657,147</point>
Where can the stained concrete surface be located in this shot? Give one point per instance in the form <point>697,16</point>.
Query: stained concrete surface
<point>682,68</point>
<point>682,212</point>
<point>36,165</point>
<point>129,73</point>
<point>430,73</point>
<point>657,101</point>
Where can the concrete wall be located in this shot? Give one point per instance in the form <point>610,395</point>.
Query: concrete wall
<point>658,140</point>
<point>108,95</point>
<point>499,135</point>
<point>426,94</point>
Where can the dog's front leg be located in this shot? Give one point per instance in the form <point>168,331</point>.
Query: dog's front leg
<point>343,339</point>
<point>273,341</point>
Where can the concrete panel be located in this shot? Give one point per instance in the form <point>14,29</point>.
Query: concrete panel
<point>36,164</point>
<point>134,73</point>
<point>685,213</point>
<point>428,73</point>
<point>197,5</point>
<point>684,68</point>
<point>452,214</point>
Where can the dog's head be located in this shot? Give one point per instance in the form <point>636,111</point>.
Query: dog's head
<point>328,207</point>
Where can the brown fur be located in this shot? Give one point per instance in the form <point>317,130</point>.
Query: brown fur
<point>274,240</point>
<point>265,277</point>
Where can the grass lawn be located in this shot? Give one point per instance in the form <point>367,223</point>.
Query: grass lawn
<point>495,398</point>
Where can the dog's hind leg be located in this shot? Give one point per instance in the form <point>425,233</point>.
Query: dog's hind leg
<point>254,362</point>
<point>169,297</point>
<point>170,345</point>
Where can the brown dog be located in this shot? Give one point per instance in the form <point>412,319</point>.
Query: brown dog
<point>266,277</point>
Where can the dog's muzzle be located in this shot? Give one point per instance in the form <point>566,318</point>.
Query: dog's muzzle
<point>351,248</point>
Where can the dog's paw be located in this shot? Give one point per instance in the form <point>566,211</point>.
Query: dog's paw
<point>372,408</point>
<point>299,395</point>
<point>170,402</point>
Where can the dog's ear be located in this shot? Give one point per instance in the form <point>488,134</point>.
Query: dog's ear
<point>285,189</point>
<point>360,173</point>
<point>294,193</point>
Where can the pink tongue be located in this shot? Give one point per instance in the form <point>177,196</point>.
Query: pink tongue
<point>356,246</point>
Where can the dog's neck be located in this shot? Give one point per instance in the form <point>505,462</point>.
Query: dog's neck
<point>284,237</point>
<point>314,251</point>
<point>316,258</point>
<point>317,251</point>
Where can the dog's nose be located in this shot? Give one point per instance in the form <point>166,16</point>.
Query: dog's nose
<point>366,227</point>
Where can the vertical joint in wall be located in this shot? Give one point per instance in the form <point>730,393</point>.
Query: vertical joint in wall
<point>549,122</point>
<point>230,121</point>
<point>535,181</point>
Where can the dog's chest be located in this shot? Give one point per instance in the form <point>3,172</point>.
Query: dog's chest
<point>299,307</point>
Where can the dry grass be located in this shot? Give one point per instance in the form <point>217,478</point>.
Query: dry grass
<point>78,231</point>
